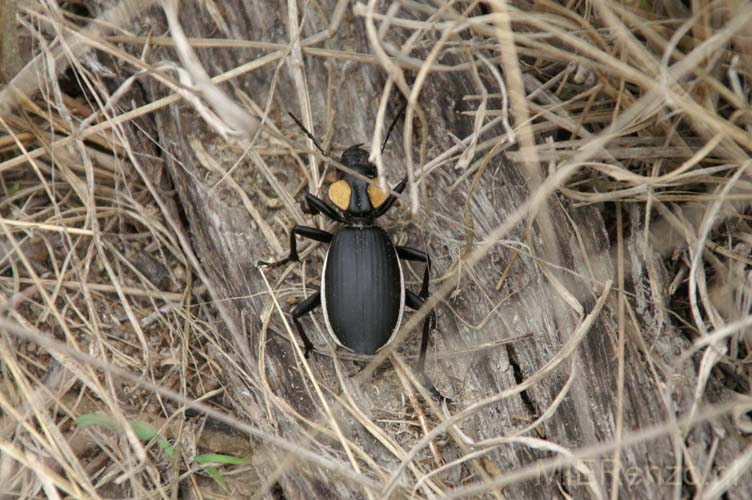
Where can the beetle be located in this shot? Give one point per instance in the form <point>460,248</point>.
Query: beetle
<point>362,293</point>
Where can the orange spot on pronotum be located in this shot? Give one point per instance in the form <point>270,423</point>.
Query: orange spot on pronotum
<point>339,193</point>
<point>377,195</point>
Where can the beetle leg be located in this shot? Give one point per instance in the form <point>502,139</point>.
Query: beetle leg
<point>414,301</point>
<point>414,255</point>
<point>401,186</point>
<point>390,201</point>
<point>314,205</point>
<point>306,232</point>
<point>304,307</point>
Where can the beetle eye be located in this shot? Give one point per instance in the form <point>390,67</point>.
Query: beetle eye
<point>339,193</point>
<point>376,194</point>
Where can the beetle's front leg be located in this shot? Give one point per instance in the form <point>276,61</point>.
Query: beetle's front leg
<point>313,205</point>
<point>391,199</point>
<point>306,232</point>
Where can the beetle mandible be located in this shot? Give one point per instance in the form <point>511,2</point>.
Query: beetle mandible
<point>362,292</point>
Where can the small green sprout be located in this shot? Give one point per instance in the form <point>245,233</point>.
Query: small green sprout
<point>147,432</point>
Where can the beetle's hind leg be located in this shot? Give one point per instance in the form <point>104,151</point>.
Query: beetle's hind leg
<point>414,301</point>
<point>306,232</point>
<point>304,307</point>
<point>415,255</point>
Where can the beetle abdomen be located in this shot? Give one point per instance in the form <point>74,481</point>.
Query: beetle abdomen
<point>362,289</point>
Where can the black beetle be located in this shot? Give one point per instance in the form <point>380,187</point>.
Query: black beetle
<point>363,290</point>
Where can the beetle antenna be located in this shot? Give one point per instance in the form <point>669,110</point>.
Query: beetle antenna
<point>310,135</point>
<point>394,122</point>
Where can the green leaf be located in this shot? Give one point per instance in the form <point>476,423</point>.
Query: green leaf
<point>97,419</point>
<point>143,430</point>
<point>167,447</point>
<point>15,188</point>
<point>213,472</point>
<point>218,458</point>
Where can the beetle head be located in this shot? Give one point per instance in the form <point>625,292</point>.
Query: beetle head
<point>356,158</point>
<point>352,194</point>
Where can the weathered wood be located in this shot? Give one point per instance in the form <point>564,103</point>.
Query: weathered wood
<point>10,60</point>
<point>229,242</point>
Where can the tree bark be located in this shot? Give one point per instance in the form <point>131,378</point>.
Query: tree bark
<point>530,302</point>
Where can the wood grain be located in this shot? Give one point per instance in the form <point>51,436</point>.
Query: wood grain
<point>536,299</point>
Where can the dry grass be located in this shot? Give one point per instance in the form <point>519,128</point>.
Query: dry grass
<point>106,309</point>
